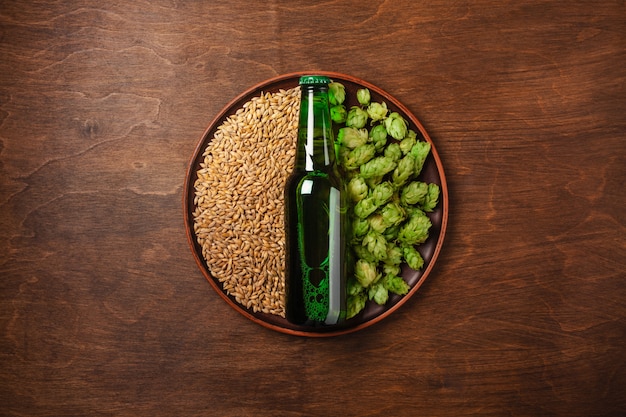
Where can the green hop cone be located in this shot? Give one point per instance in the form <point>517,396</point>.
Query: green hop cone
<point>393,151</point>
<point>377,223</point>
<point>378,293</point>
<point>351,137</point>
<point>407,143</point>
<point>413,193</point>
<point>336,93</point>
<point>366,272</point>
<point>396,126</point>
<point>415,230</point>
<point>393,214</point>
<point>357,117</point>
<point>353,287</point>
<point>403,171</point>
<point>392,269</point>
<point>373,181</point>
<point>342,154</point>
<point>338,113</point>
<point>432,198</point>
<point>363,96</point>
<point>391,233</point>
<point>359,227</point>
<point>355,304</point>
<point>382,193</point>
<point>377,111</point>
<point>365,207</point>
<point>376,244</point>
<point>378,136</point>
<point>420,151</point>
<point>362,252</point>
<point>394,256</point>
<point>357,189</point>
<point>413,211</point>
<point>359,156</point>
<point>377,167</point>
<point>412,257</point>
<point>395,284</point>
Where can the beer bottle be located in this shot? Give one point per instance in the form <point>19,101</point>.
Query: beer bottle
<point>315,217</point>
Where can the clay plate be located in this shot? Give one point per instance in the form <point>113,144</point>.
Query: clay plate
<point>432,173</point>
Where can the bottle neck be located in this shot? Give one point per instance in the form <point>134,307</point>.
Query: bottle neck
<point>315,138</point>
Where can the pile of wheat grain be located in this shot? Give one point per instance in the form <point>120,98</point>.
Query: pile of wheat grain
<point>239,214</point>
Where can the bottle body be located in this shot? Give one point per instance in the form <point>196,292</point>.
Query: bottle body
<point>315,221</point>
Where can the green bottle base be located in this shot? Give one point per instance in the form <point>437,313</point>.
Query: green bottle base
<point>315,265</point>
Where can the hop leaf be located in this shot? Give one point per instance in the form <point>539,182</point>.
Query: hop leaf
<point>388,214</point>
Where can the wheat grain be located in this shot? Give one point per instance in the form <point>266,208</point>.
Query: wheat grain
<point>239,205</point>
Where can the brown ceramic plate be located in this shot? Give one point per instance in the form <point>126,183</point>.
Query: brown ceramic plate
<point>432,173</point>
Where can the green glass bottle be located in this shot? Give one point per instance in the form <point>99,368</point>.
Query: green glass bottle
<point>315,217</point>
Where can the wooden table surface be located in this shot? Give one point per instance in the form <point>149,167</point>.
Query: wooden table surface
<point>103,311</point>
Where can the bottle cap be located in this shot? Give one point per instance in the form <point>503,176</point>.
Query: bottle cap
<point>314,80</point>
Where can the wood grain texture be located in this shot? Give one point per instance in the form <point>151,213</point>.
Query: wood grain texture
<point>103,311</point>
